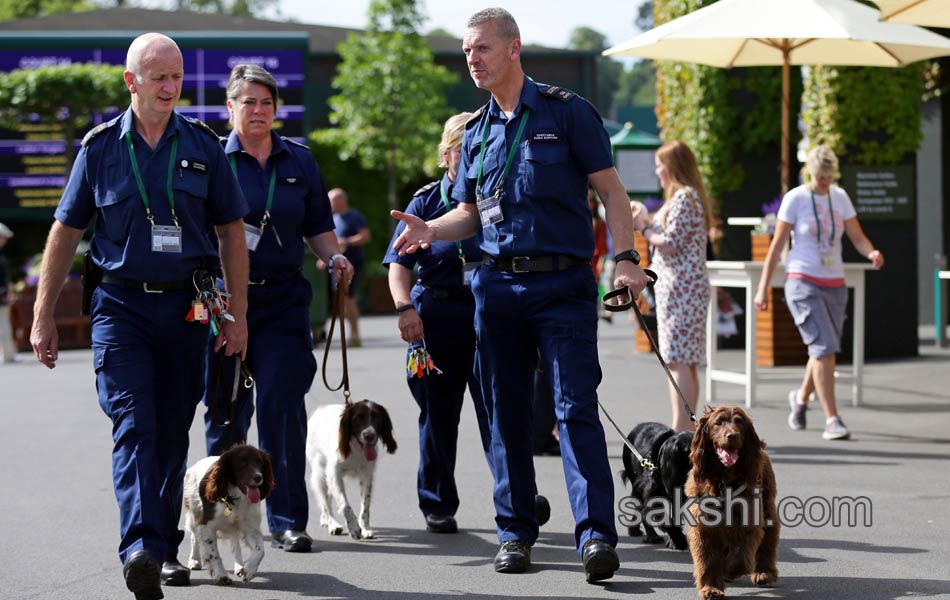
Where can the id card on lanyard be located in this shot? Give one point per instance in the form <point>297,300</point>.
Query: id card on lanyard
<point>252,234</point>
<point>467,269</point>
<point>165,238</point>
<point>489,209</point>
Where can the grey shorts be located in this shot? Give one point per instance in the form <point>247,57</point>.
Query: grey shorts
<point>819,314</point>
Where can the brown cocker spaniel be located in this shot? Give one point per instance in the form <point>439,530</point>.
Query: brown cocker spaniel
<point>737,528</point>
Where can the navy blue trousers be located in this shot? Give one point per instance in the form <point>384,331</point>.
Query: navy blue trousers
<point>450,341</point>
<point>552,317</point>
<point>280,356</point>
<point>149,365</point>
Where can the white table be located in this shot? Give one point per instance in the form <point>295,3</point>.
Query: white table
<point>746,275</point>
<point>940,319</point>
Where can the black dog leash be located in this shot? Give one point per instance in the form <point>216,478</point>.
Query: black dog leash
<point>621,306</point>
<point>644,462</point>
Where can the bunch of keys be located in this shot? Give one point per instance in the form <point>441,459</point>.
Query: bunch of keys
<point>420,363</point>
<point>210,305</point>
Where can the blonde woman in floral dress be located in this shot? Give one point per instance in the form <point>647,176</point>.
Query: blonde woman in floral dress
<point>678,234</point>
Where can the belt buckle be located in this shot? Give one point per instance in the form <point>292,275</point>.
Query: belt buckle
<point>514,264</point>
<point>150,291</point>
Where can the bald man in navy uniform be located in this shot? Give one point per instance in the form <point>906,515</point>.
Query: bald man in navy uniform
<point>527,159</point>
<point>156,183</point>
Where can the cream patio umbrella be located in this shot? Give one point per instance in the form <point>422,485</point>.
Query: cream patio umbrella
<point>749,33</point>
<point>932,13</point>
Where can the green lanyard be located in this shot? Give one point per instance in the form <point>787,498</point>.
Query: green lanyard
<point>511,153</point>
<point>138,179</point>
<point>830,213</point>
<point>270,189</point>
<point>448,207</point>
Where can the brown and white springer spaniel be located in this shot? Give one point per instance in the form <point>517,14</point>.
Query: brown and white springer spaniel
<point>342,443</point>
<point>727,454</point>
<point>223,496</point>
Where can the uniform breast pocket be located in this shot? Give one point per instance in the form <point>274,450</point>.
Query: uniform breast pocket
<point>117,206</point>
<point>544,168</point>
<point>193,183</point>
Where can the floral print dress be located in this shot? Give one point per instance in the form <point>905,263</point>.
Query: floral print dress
<point>682,290</point>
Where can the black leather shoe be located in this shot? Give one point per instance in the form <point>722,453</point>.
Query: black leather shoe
<point>600,560</point>
<point>513,557</point>
<point>175,574</point>
<point>441,524</point>
<point>542,509</point>
<point>141,576</point>
<point>291,541</point>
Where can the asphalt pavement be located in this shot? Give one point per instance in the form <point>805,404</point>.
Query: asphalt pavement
<point>60,522</point>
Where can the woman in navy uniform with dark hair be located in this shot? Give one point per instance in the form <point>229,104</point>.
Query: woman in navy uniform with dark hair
<point>156,182</point>
<point>440,310</point>
<point>288,207</point>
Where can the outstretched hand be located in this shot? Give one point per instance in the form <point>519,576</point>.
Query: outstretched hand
<point>416,236</point>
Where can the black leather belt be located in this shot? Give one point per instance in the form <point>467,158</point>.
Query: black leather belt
<point>275,279</point>
<point>534,264</point>
<point>152,287</point>
<point>440,293</point>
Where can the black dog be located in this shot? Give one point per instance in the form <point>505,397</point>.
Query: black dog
<point>669,452</point>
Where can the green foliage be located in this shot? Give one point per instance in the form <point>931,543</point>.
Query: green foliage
<point>867,115</point>
<point>24,9</point>
<point>609,70</point>
<point>391,104</point>
<point>637,86</point>
<point>66,94</point>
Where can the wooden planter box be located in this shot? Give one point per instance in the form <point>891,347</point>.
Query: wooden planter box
<point>777,340</point>
<point>74,329</point>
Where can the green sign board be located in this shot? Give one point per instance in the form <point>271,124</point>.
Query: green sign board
<point>880,192</point>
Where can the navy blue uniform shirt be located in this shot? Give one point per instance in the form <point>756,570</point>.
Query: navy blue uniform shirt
<point>545,194</point>
<point>102,184</point>
<point>349,225</point>
<point>300,208</point>
<point>439,266</point>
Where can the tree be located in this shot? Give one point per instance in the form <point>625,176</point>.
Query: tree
<point>391,103</point>
<point>644,18</point>
<point>637,85</point>
<point>24,9</point>
<point>608,69</point>
<point>64,94</point>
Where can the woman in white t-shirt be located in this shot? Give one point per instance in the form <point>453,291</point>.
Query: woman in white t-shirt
<point>816,215</point>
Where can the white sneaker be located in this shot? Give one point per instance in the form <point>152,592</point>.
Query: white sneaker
<point>836,430</point>
<point>796,418</point>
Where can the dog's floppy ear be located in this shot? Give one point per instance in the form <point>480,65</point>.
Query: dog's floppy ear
<point>385,428</point>
<point>217,480</point>
<point>698,447</point>
<point>267,471</point>
<point>346,431</point>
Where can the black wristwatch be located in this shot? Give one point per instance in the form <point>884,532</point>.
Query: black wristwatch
<point>631,255</point>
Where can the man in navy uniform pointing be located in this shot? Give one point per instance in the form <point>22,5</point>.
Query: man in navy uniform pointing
<point>156,183</point>
<point>527,159</point>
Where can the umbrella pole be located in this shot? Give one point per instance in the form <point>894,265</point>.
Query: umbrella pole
<point>786,85</point>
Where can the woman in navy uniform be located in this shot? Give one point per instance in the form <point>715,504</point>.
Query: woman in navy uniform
<point>440,310</point>
<point>527,159</point>
<point>288,207</point>
<point>156,183</point>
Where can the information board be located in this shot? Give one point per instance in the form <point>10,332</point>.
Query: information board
<point>32,162</point>
<point>638,171</point>
<point>880,192</point>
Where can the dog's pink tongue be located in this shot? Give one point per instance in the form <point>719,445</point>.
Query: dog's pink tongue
<point>253,495</point>
<point>369,452</point>
<point>727,457</point>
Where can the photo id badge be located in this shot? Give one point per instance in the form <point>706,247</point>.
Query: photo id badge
<point>166,238</point>
<point>252,236</point>
<point>489,209</point>
<point>468,271</point>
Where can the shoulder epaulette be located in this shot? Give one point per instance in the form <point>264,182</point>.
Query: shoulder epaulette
<point>556,91</point>
<point>204,127</point>
<point>295,143</point>
<point>476,115</point>
<point>426,188</point>
<point>97,130</point>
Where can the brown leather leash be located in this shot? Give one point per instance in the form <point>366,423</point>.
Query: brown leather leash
<point>338,314</point>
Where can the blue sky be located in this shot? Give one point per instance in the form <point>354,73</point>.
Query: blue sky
<point>546,22</point>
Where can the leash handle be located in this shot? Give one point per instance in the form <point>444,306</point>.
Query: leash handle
<point>623,305</point>
<point>338,314</point>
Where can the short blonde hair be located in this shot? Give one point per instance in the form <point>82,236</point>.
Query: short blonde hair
<point>452,135</point>
<point>821,160</point>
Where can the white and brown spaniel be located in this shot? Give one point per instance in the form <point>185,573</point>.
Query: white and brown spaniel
<point>342,443</point>
<point>223,497</point>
